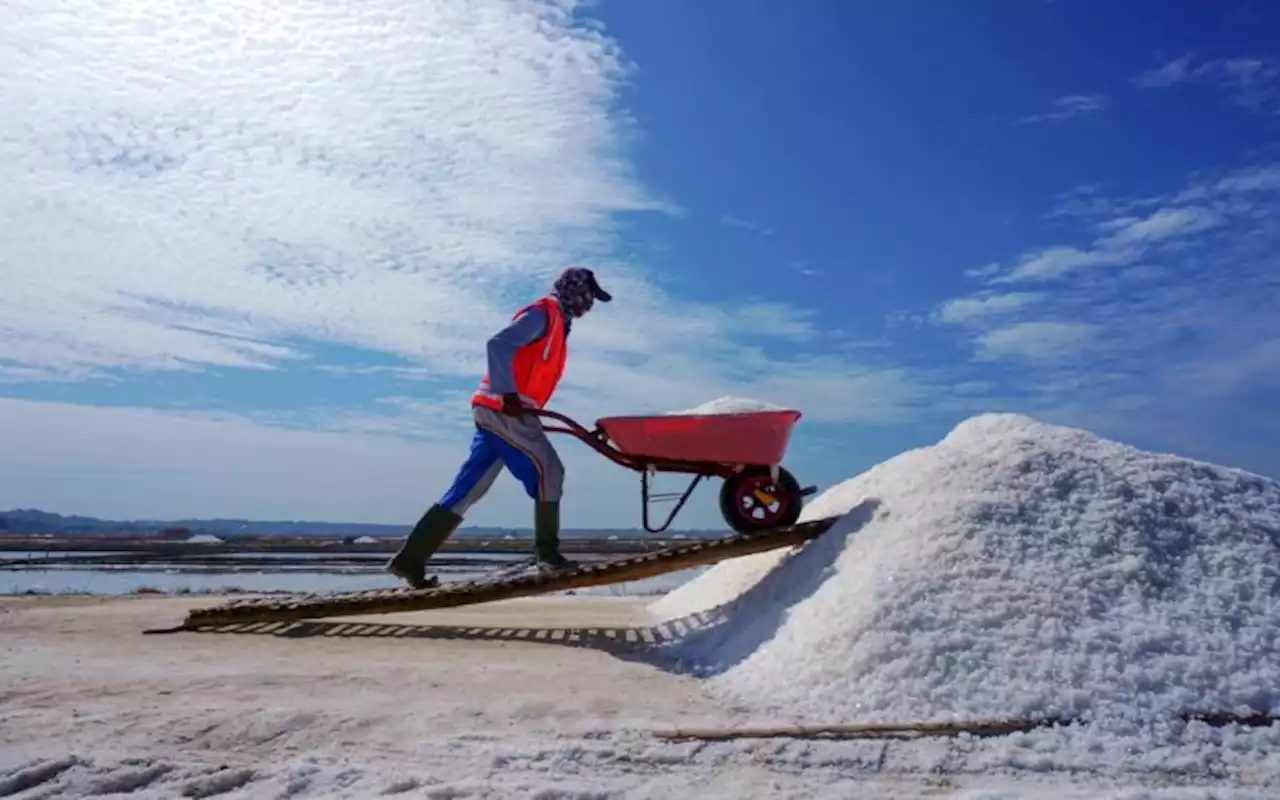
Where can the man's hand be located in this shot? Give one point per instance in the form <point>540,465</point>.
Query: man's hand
<point>511,405</point>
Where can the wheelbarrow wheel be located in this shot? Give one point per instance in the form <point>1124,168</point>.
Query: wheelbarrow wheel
<point>752,501</point>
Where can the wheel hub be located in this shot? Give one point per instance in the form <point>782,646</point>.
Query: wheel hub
<point>758,495</point>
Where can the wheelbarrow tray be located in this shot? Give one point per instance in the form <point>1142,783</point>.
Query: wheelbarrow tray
<point>753,438</point>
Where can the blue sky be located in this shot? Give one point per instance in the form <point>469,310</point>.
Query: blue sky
<point>251,259</point>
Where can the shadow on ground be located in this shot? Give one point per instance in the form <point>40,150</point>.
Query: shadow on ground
<point>724,635</point>
<point>639,643</point>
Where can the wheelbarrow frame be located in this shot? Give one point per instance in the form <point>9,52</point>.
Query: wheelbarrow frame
<point>599,441</point>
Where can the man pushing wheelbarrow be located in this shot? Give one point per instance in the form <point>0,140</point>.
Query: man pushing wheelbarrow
<point>525,362</point>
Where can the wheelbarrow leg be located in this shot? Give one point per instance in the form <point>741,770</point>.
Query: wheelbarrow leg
<point>646,498</point>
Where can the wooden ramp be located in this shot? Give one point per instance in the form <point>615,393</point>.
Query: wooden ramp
<point>488,590</point>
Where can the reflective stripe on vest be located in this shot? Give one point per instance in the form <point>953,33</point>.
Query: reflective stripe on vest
<point>537,367</point>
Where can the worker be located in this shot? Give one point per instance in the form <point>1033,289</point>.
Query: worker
<point>525,362</point>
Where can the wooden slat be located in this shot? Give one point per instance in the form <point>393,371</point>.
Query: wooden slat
<point>387,601</point>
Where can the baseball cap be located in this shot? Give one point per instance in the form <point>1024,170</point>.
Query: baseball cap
<point>597,289</point>
<point>578,273</point>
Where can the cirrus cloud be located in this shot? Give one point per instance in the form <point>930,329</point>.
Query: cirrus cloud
<point>242,187</point>
<point>1159,319</point>
<point>186,188</point>
<point>247,201</point>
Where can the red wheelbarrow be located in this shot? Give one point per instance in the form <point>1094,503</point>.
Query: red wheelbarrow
<point>744,449</point>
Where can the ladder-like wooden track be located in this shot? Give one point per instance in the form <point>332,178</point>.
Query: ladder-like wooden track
<point>487,590</point>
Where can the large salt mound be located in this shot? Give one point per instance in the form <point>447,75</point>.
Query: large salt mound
<point>1013,569</point>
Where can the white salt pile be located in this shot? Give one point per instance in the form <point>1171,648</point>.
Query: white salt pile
<point>727,405</point>
<point>1014,569</point>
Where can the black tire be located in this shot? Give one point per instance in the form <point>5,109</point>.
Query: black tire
<point>745,514</point>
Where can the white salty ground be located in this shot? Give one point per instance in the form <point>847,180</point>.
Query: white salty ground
<point>93,708</point>
<point>1013,567</point>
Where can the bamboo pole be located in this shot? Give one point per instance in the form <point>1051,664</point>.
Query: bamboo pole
<point>916,730</point>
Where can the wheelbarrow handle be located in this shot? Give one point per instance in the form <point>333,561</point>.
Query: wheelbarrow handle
<point>546,412</point>
<point>571,426</point>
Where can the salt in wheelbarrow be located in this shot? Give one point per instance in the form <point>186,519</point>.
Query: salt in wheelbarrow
<point>744,449</point>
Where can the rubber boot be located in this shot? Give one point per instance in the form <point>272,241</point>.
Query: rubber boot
<point>426,537</point>
<point>546,538</point>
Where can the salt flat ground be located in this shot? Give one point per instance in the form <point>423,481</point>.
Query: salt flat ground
<point>445,704</point>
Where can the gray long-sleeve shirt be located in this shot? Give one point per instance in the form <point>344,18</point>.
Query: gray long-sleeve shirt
<point>503,345</point>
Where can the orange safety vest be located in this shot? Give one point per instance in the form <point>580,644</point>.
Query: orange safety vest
<point>538,365</point>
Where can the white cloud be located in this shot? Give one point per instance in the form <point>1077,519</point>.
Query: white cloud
<point>1165,223</point>
<point>746,224</point>
<point>187,189</point>
<point>967,309</point>
<point>1252,364</point>
<point>16,374</point>
<point>1168,74</point>
<point>1128,239</point>
<point>1091,201</point>
<point>1180,337</point>
<point>776,320</point>
<point>1251,82</point>
<point>1253,179</point>
<point>1060,260</point>
<point>985,271</point>
<point>1036,341</point>
<point>1073,105</point>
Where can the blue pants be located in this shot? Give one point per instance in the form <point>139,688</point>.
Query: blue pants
<point>519,445</point>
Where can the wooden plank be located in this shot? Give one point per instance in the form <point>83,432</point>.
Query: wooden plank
<point>600,573</point>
